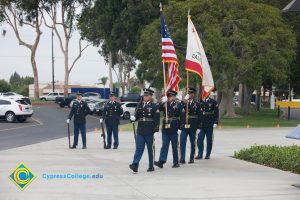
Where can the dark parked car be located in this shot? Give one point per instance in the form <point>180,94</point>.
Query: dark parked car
<point>65,101</point>
<point>130,97</point>
<point>99,107</point>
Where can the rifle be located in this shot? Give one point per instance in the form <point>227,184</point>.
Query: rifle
<point>103,135</point>
<point>69,136</point>
<point>133,124</point>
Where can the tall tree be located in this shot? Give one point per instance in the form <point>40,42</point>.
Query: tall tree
<point>125,65</point>
<point>116,25</point>
<point>15,78</point>
<point>292,20</point>
<point>63,17</point>
<point>19,13</point>
<point>241,39</point>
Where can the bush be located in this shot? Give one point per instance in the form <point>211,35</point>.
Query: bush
<point>20,89</point>
<point>4,86</point>
<point>136,90</point>
<point>286,158</point>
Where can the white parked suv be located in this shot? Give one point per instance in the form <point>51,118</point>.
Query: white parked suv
<point>51,96</point>
<point>13,95</point>
<point>128,109</point>
<point>12,109</point>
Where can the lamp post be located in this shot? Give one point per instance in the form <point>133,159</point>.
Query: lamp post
<point>53,82</point>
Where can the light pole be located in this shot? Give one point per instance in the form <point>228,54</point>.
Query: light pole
<point>53,86</point>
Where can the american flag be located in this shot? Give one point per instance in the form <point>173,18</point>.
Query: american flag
<point>169,56</point>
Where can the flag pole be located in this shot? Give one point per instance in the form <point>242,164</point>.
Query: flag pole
<point>187,89</point>
<point>165,83</point>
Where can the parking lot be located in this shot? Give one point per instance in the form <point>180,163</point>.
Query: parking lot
<point>47,123</point>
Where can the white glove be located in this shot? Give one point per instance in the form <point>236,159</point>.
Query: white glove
<point>164,99</point>
<point>101,120</point>
<point>215,125</point>
<point>68,121</point>
<point>132,118</point>
<point>187,97</point>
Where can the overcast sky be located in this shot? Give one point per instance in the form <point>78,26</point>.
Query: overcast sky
<point>14,57</point>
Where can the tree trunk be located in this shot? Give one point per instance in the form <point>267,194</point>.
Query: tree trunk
<point>32,47</point>
<point>35,75</point>
<point>67,72</point>
<point>258,99</point>
<point>226,105</point>
<point>121,75</point>
<point>246,99</point>
<point>110,71</point>
<point>241,95</point>
<point>264,94</point>
<point>128,78</point>
<point>66,83</point>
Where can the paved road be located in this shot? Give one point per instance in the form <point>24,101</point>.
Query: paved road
<point>220,178</point>
<point>47,123</point>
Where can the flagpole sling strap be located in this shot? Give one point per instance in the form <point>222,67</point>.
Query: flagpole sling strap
<point>187,125</point>
<point>165,90</point>
<point>171,119</point>
<point>145,119</point>
<point>193,116</point>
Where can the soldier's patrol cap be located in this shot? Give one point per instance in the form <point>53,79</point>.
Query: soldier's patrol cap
<point>148,91</point>
<point>112,94</point>
<point>79,94</point>
<point>172,93</point>
<point>191,90</point>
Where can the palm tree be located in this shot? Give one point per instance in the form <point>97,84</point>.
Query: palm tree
<point>103,81</point>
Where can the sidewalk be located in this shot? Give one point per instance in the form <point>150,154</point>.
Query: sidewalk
<point>222,177</point>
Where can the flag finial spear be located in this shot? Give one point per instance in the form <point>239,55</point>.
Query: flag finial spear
<point>189,13</point>
<point>160,6</point>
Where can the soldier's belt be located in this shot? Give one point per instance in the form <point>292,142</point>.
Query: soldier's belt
<point>208,113</point>
<point>145,119</point>
<point>193,117</point>
<point>172,118</point>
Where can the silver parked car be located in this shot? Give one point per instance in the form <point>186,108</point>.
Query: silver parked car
<point>51,96</point>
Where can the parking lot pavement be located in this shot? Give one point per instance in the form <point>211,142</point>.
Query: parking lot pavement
<point>31,122</point>
<point>47,123</point>
<point>220,178</point>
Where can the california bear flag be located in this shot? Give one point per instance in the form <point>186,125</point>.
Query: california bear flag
<point>196,60</point>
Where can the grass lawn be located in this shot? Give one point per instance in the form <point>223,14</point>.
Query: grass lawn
<point>265,118</point>
<point>127,127</point>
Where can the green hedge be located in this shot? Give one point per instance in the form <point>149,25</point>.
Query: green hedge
<point>286,158</point>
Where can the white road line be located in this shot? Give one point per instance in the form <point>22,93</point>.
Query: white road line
<point>38,121</point>
<point>32,125</point>
<point>20,127</point>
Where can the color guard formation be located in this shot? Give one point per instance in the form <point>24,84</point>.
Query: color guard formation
<point>182,120</point>
<point>188,117</point>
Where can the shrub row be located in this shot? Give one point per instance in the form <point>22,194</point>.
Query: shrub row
<point>286,158</point>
